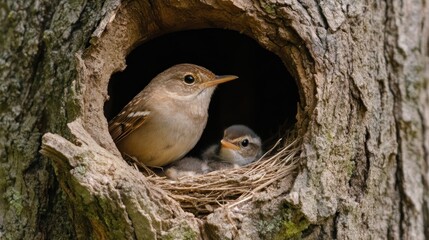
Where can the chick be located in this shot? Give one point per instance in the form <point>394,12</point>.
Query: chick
<point>186,167</point>
<point>238,147</point>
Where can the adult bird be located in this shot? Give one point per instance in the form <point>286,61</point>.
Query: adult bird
<point>166,119</point>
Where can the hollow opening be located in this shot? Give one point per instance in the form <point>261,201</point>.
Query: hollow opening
<point>264,98</point>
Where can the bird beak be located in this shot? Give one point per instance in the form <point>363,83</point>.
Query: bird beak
<point>229,145</point>
<point>218,80</point>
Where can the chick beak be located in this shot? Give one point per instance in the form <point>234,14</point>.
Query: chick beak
<point>218,80</point>
<point>229,145</point>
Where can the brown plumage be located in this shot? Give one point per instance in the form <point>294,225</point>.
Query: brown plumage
<point>166,119</point>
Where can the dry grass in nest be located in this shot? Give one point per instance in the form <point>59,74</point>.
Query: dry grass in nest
<point>230,187</point>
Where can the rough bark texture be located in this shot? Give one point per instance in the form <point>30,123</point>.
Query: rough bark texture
<point>38,43</point>
<point>364,117</point>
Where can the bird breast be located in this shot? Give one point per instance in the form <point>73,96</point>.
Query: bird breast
<point>171,131</point>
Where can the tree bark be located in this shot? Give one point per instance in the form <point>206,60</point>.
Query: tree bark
<point>362,72</point>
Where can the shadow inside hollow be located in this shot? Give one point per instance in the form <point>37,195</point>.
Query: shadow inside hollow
<point>264,97</point>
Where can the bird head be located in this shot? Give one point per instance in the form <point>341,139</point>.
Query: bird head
<point>240,145</point>
<point>188,82</point>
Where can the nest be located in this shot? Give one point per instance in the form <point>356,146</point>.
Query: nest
<point>202,194</point>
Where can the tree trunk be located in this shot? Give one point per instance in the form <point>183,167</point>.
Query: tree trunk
<point>362,72</point>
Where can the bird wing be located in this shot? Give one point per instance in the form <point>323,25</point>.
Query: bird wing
<point>127,121</point>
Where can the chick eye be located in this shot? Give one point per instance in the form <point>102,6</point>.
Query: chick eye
<point>189,79</point>
<point>244,143</point>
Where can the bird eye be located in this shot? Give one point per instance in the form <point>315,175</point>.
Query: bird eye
<point>245,143</point>
<point>189,79</point>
